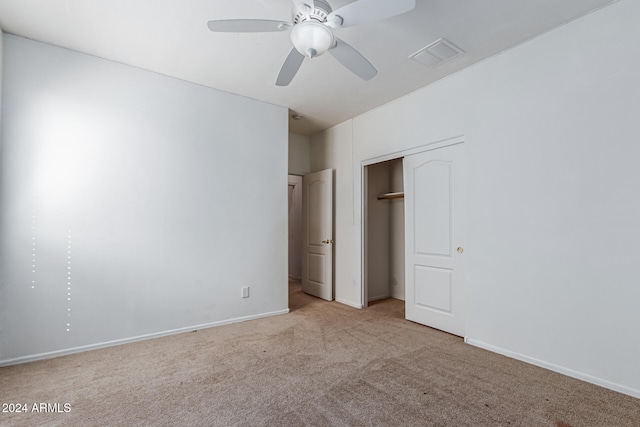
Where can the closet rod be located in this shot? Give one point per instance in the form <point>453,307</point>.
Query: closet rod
<point>387,196</point>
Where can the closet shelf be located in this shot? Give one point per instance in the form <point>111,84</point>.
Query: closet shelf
<point>387,196</point>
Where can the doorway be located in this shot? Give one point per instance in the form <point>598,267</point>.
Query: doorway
<point>384,231</point>
<point>295,227</point>
<point>310,227</point>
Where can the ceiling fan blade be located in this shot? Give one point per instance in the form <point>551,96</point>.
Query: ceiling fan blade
<point>365,11</point>
<point>353,60</point>
<point>247,25</point>
<point>290,67</point>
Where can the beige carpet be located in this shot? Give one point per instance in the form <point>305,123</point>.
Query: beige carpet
<point>323,364</point>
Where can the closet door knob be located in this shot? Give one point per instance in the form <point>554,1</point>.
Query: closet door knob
<point>460,249</point>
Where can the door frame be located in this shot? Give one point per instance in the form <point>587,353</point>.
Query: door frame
<point>363,199</point>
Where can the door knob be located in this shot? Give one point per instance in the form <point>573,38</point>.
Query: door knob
<point>328,241</point>
<point>460,249</point>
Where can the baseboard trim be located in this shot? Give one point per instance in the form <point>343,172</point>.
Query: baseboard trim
<point>350,304</point>
<point>556,368</point>
<point>65,352</point>
<point>379,297</point>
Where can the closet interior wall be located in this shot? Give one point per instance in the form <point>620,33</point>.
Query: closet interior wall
<point>384,232</point>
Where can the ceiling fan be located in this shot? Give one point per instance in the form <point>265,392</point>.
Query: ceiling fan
<point>312,31</point>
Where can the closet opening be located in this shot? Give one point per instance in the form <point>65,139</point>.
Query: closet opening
<point>384,260</point>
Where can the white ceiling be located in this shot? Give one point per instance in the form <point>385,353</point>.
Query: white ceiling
<point>171,37</point>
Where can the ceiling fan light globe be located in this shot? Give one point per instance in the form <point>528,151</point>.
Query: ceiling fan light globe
<point>312,38</point>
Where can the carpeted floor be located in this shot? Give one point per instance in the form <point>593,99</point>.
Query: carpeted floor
<point>322,364</point>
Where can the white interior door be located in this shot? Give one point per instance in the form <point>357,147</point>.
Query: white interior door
<point>317,220</point>
<point>435,239</point>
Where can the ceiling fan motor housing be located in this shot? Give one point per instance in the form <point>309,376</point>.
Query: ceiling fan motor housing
<point>321,10</point>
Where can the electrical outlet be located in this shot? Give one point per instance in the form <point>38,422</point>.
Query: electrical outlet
<point>245,292</point>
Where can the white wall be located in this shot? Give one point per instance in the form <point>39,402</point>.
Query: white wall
<point>299,154</point>
<point>552,209</point>
<point>162,198</point>
<point>1,44</point>
<point>1,177</point>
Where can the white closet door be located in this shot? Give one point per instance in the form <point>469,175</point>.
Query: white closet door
<point>435,238</point>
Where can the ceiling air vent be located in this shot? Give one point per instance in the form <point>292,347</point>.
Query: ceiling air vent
<point>436,53</point>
